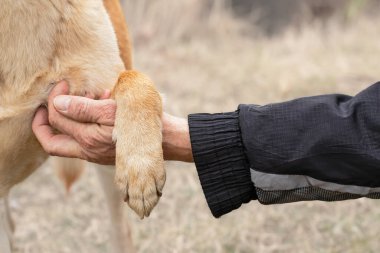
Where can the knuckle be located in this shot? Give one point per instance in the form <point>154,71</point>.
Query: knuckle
<point>88,140</point>
<point>89,143</point>
<point>104,135</point>
<point>108,112</point>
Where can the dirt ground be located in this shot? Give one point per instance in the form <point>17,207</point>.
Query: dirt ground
<point>214,72</point>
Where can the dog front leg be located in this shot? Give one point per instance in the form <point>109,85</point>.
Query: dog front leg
<point>140,170</point>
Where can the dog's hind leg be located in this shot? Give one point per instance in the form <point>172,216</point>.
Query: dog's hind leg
<point>5,229</point>
<point>121,239</point>
<point>8,217</point>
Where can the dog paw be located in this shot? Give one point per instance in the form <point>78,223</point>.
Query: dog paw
<point>142,180</point>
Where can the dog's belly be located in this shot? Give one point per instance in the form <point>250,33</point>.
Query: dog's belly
<point>42,43</point>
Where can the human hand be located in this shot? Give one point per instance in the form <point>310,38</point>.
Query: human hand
<point>85,126</point>
<point>85,129</point>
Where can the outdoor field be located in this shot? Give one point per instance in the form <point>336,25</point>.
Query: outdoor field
<point>206,59</point>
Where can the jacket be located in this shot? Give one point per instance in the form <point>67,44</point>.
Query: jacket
<point>323,148</point>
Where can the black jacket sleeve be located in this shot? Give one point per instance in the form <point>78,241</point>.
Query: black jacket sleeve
<point>221,163</point>
<point>314,148</point>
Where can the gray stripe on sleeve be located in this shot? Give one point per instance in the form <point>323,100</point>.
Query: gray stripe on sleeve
<point>306,194</point>
<point>274,182</point>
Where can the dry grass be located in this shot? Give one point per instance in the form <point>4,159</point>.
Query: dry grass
<point>213,71</point>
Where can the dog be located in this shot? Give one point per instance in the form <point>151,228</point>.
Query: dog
<point>86,43</point>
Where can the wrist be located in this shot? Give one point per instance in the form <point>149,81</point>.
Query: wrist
<point>176,139</point>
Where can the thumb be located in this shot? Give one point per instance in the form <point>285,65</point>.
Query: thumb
<point>61,88</point>
<point>86,110</point>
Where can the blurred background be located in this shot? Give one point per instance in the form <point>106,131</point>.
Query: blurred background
<point>210,56</point>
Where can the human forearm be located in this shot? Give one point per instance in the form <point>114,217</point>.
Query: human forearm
<point>176,139</point>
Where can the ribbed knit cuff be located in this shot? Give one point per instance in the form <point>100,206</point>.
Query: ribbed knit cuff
<point>222,166</point>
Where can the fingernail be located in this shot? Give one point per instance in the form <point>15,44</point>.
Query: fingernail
<point>61,103</point>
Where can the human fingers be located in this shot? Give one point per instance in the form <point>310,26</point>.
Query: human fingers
<point>93,138</point>
<point>65,146</point>
<point>54,144</point>
<point>82,109</point>
<point>86,110</point>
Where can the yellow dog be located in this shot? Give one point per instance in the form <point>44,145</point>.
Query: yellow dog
<point>86,43</point>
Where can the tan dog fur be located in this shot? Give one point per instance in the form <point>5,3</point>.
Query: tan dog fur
<point>44,41</point>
